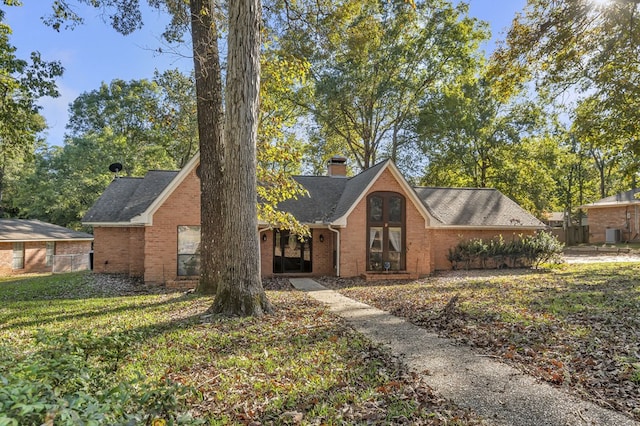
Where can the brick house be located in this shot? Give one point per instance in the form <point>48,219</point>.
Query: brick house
<point>29,246</point>
<point>614,219</point>
<point>373,224</point>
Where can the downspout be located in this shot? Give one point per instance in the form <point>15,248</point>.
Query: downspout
<point>337,249</point>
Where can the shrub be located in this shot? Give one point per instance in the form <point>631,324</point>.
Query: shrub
<point>530,250</point>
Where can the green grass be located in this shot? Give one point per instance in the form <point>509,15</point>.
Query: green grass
<point>73,353</point>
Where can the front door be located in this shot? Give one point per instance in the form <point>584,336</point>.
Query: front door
<point>385,232</point>
<point>290,253</point>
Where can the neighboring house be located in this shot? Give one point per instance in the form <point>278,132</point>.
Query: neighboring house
<point>555,219</point>
<point>614,219</point>
<point>35,246</point>
<point>373,224</point>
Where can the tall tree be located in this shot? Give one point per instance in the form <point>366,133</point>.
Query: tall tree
<point>467,133</point>
<point>227,142</point>
<point>22,83</point>
<point>150,125</point>
<point>588,47</point>
<point>373,62</point>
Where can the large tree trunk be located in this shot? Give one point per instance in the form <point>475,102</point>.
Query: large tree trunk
<point>210,119</point>
<point>241,292</point>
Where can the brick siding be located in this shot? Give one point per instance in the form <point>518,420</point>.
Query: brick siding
<point>152,251</point>
<point>601,219</point>
<point>118,250</point>
<point>444,239</point>
<point>161,240</point>
<point>35,255</point>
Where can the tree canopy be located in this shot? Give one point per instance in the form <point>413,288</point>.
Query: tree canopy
<point>372,63</point>
<point>22,83</point>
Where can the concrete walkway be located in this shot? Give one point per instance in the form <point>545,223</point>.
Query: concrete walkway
<point>499,393</point>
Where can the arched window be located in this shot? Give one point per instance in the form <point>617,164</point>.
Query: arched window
<point>385,232</point>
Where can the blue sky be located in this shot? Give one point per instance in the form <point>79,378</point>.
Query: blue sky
<point>94,53</point>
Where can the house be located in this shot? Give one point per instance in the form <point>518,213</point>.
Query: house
<point>373,224</point>
<point>614,219</point>
<point>556,219</point>
<point>28,246</point>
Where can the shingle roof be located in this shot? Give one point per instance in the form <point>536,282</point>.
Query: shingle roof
<point>474,207</point>
<point>35,230</point>
<point>354,188</point>
<point>320,203</point>
<point>328,200</point>
<point>621,198</point>
<point>128,197</point>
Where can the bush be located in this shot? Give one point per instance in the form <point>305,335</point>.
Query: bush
<point>530,250</point>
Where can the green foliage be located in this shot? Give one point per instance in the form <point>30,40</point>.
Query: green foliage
<point>584,55</point>
<point>526,250</point>
<point>142,124</point>
<point>22,83</point>
<point>68,379</point>
<point>373,63</point>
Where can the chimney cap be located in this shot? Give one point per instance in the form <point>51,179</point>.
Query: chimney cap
<point>337,159</point>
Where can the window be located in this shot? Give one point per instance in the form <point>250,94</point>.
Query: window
<point>188,250</point>
<point>18,256</point>
<point>51,250</point>
<point>386,229</point>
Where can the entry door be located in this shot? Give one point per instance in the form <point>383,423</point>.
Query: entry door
<point>290,253</point>
<point>386,232</point>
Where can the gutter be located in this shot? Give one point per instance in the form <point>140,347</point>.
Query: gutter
<point>337,232</point>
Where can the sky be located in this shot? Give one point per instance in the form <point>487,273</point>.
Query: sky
<point>93,53</point>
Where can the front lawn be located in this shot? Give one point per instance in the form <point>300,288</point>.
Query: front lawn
<point>575,326</point>
<point>91,349</point>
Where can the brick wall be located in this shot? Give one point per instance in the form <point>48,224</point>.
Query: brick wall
<point>6,257</point>
<point>118,250</point>
<point>161,240</point>
<point>35,255</point>
<point>444,239</point>
<point>73,247</point>
<point>323,252</point>
<point>601,219</point>
<point>353,238</point>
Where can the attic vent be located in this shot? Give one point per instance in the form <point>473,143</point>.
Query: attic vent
<point>337,167</point>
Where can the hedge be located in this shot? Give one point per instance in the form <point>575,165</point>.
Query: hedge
<point>523,251</point>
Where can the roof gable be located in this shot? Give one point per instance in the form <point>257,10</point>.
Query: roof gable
<point>359,186</point>
<point>34,230</point>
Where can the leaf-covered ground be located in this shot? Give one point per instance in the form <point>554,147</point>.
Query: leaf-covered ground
<point>83,348</point>
<point>575,326</point>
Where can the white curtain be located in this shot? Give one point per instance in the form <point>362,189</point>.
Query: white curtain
<point>395,238</point>
<point>373,234</point>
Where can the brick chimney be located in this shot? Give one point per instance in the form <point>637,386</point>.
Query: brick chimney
<point>337,167</point>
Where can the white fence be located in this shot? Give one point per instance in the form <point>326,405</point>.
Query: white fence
<point>70,263</point>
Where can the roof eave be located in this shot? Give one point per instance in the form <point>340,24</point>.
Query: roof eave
<point>146,217</point>
<point>493,227</point>
<point>112,224</point>
<point>27,240</point>
<point>612,204</point>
